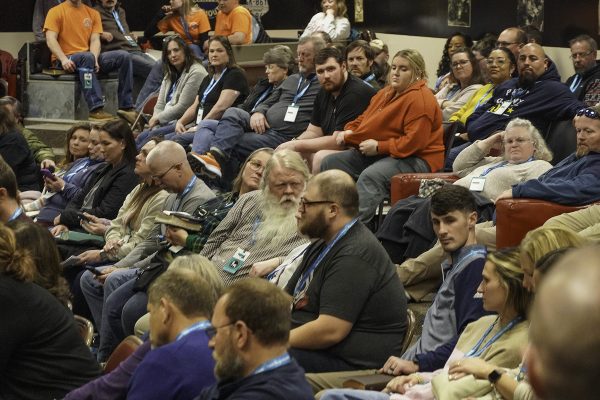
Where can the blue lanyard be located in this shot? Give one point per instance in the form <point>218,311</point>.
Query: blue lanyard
<point>210,87</point>
<point>69,175</point>
<point>273,274</point>
<point>180,196</point>
<point>255,226</point>
<point>118,21</point>
<point>262,97</point>
<point>303,281</point>
<point>186,28</point>
<point>448,267</point>
<point>15,214</point>
<point>369,78</point>
<point>452,91</point>
<point>172,90</point>
<point>477,350</point>
<point>575,83</point>
<point>482,98</point>
<point>273,363</point>
<point>500,165</point>
<point>198,326</point>
<point>300,93</point>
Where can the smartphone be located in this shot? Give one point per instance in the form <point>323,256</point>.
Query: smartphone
<point>82,217</point>
<point>92,270</point>
<point>48,174</point>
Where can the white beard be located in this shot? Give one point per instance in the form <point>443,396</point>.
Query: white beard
<point>279,220</point>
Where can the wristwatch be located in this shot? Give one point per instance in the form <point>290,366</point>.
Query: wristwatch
<point>495,375</point>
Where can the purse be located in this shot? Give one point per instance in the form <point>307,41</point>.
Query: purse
<point>146,275</point>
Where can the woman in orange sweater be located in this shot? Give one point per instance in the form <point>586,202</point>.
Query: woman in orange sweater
<point>400,131</point>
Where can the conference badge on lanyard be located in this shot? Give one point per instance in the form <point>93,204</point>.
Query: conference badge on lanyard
<point>477,184</point>
<point>235,263</point>
<point>291,113</point>
<point>200,115</point>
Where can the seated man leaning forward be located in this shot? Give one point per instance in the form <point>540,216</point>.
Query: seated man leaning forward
<point>349,305</point>
<point>180,303</point>
<point>249,338</point>
<point>455,305</point>
<point>261,225</point>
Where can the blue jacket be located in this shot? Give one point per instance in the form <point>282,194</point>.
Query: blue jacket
<point>547,100</point>
<point>572,182</point>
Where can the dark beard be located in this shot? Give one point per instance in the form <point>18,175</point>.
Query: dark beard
<point>317,228</point>
<point>230,367</point>
<point>526,80</point>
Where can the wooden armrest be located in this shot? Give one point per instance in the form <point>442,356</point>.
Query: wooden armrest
<point>406,185</point>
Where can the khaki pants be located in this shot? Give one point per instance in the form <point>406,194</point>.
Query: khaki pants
<point>333,380</point>
<point>586,222</point>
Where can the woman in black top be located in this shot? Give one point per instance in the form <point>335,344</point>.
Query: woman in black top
<point>224,87</point>
<point>105,192</point>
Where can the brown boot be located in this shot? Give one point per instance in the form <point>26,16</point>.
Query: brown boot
<point>100,114</point>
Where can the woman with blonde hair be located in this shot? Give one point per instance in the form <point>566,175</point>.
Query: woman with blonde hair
<point>333,20</point>
<point>400,131</point>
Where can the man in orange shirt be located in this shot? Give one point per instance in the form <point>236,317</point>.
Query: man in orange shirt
<point>233,21</point>
<point>73,36</point>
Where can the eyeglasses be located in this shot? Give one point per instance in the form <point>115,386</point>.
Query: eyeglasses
<point>304,203</point>
<point>588,112</point>
<point>256,165</point>
<point>518,141</point>
<point>504,44</point>
<point>498,61</point>
<point>460,63</point>
<point>211,331</point>
<point>159,177</point>
<point>580,55</point>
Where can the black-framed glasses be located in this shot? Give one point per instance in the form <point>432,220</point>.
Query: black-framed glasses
<point>211,331</point>
<point>159,177</point>
<point>504,44</point>
<point>588,112</point>
<point>304,203</point>
<point>580,55</point>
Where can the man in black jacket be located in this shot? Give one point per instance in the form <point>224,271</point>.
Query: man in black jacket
<point>585,83</point>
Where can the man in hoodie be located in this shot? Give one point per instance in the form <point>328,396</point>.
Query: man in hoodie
<point>537,95</point>
<point>585,83</point>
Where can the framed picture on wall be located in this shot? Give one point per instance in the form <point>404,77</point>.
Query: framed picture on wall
<point>531,12</point>
<point>459,13</point>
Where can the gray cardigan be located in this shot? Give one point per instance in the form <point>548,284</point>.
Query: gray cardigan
<point>184,96</point>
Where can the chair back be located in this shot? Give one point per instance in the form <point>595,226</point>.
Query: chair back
<point>86,329</point>
<point>126,348</point>
<point>411,322</point>
<point>561,138</point>
<point>450,130</point>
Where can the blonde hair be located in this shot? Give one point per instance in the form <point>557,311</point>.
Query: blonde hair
<point>542,152</point>
<point>287,159</point>
<point>543,240</point>
<point>416,61</point>
<point>14,262</point>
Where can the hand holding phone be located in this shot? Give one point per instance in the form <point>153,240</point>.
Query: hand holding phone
<point>46,173</point>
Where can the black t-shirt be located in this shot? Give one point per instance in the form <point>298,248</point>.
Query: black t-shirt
<point>331,114</point>
<point>15,151</point>
<point>233,79</point>
<point>356,282</point>
<point>42,354</point>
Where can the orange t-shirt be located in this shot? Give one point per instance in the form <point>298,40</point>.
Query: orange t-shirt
<point>197,24</point>
<point>238,20</point>
<point>74,26</point>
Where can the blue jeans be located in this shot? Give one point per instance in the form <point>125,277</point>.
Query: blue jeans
<point>119,60</point>
<point>152,84</point>
<point>353,394</point>
<point>142,64</point>
<point>205,133</point>
<point>122,310</point>
<point>453,154</point>
<point>372,175</point>
<point>96,294</point>
<point>145,136</point>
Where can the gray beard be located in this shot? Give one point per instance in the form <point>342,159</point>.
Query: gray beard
<point>278,224</point>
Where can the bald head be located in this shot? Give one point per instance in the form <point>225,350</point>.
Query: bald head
<point>565,356</point>
<point>339,187</point>
<point>512,38</point>
<point>532,64</point>
<point>169,166</point>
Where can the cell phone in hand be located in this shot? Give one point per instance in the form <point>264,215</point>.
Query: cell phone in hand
<point>81,216</point>
<point>93,270</point>
<point>48,174</point>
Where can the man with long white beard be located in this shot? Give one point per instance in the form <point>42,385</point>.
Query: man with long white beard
<point>262,223</point>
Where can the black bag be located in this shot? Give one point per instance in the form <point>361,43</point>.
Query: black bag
<point>150,272</point>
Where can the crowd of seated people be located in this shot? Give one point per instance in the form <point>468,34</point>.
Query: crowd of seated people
<point>235,232</point>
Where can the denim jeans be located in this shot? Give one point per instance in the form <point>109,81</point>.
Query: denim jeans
<point>120,60</point>
<point>152,84</point>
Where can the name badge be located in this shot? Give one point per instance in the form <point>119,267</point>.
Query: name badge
<point>235,263</point>
<point>87,80</point>
<point>175,249</point>
<point>130,40</point>
<point>291,113</point>
<point>502,107</point>
<point>200,115</point>
<point>477,184</point>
